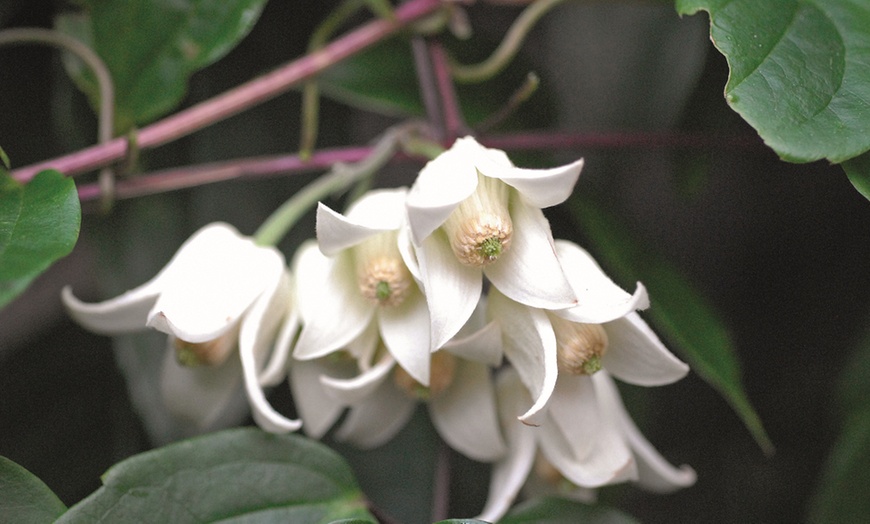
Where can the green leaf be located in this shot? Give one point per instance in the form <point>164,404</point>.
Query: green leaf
<point>858,171</point>
<point>239,475</point>
<point>39,223</point>
<point>800,71</point>
<point>678,309</point>
<point>152,47</point>
<point>4,159</point>
<point>24,498</point>
<point>841,493</point>
<point>552,510</point>
<point>380,79</point>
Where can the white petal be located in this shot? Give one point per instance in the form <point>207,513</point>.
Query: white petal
<point>258,331</point>
<point>529,271</point>
<point>483,346</point>
<point>599,299</point>
<point>122,314</point>
<point>509,473</point>
<point>441,185</point>
<point>213,280</point>
<point>317,410</point>
<point>465,413</point>
<point>377,211</point>
<point>409,254</point>
<point>364,348</point>
<point>378,418</point>
<point>637,356</point>
<point>275,370</point>
<point>348,391</point>
<point>198,395</point>
<point>654,472</point>
<point>333,312</point>
<point>530,345</point>
<point>583,438</point>
<point>539,187</point>
<point>452,289</point>
<point>405,330</point>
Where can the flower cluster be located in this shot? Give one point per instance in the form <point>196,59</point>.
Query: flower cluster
<point>418,295</point>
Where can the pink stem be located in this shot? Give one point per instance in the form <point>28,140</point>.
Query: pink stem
<point>240,98</point>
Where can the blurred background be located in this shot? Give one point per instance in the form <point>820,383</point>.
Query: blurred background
<point>779,250</point>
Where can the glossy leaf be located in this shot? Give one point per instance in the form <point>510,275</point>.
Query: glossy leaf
<point>151,47</point>
<point>24,498</point>
<point>678,309</point>
<point>241,475</point>
<point>800,71</point>
<point>552,510</point>
<point>39,223</point>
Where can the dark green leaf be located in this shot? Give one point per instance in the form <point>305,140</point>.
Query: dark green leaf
<point>858,171</point>
<point>239,475</point>
<point>39,223</point>
<point>800,71</point>
<point>461,521</point>
<point>678,309</point>
<point>24,498</point>
<point>152,47</point>
<point>551,510</point>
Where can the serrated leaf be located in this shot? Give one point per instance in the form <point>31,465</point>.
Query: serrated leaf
<point>24,498</point>
<point>39,223</point>
<point>239,475</point>
<point>678,310</point>
<point>151,47</point>
<point>800,71</point>
<point>552,510</point>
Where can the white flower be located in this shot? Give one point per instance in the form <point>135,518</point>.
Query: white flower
<point>602,330</point>
<point>588,437</point>
<point>359,277</point>
<point>382,395</point>
<point>472,213</point>
<point>219,292</point>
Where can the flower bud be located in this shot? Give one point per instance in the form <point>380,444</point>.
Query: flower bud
<point>441,373</point>
<point>382,275</point>
<point>579,346</point>
<point>480,228</point>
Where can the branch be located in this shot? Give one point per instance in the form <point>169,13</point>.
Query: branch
<point>240,98</point>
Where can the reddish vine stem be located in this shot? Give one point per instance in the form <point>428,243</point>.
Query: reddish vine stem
<point>454,124</point>
<point>240,98</point>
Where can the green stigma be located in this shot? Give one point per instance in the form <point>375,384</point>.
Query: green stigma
<point>490,249</point>
<point>382,291</point>
<point>186,356</point>
<point>592,365</point>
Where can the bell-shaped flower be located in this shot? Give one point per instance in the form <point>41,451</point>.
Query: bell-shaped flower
<point>358,277</point>
<point>587,441</point>
<point>382,396</point>
<point>220,292</point>
<point>602,330</point>
<point>472,213</point>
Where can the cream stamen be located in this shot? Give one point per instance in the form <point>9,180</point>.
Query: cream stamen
<point>579,346</point>
<point>480,228</point>
<point>382,275</point>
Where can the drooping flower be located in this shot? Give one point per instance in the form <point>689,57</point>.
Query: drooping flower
<point>601,331</point>
<point>381,395</point>
<point>471,213</point>
<point>219,292</point>
<point>360,276</point>
<point>588,440</point>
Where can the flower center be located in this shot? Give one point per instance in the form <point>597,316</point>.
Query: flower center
<point>441,372</point>
<point>209,353</point>
<point>480,228</point>
<point>579,346</point>
<point>382,275</point>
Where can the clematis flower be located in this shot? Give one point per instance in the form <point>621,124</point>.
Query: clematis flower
<point>359,277</point>
<point>219,292</point>
<point>472,213</point>
<point>382,396</point>
<point>588,441</point>
<point>602,330</point>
